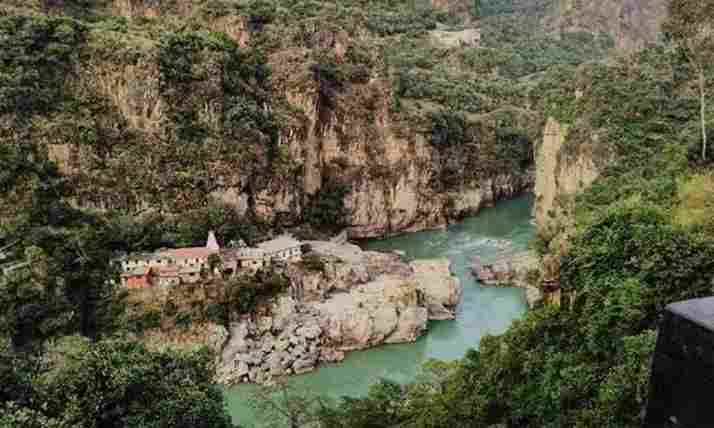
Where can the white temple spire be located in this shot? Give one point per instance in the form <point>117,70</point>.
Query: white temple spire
<point>211,242</point>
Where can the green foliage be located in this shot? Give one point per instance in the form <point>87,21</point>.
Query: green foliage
<point>110,384</point>
<point>514,145</point>
<point>695,202</point>
<point>36,54</point>
<point>120,384</point>
<point>244,293</point>
<point>448,128</point>
<point>184,319</point>
<point>314,262</point>
<point>326,208</point>
<point>395,23</point>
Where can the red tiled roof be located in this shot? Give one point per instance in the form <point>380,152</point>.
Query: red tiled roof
<point>168,271</point>
<point>190,253</point>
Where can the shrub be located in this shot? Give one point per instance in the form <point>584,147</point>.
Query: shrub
<point>314,262</point>
<point>184,319</point>
<point>448,128</point>
<point>326,208</point>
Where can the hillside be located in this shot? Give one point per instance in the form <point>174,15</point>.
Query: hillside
<point>378,116</point>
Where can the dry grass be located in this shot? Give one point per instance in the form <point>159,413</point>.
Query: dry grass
<point>695,206</point>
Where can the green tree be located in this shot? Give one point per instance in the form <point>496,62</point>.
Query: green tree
<point>35,309</point>
<point>691,24</point>
<point>214,264</point>
<point>284,405</point>
<point>122,384</point>
<point>477,8</point>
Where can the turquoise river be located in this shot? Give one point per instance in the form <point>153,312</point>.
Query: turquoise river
<point>482,311</point>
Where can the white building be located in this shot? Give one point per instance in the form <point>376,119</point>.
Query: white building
<point>284,248</point>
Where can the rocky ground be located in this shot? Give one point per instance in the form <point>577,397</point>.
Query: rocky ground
<point>359,300</point>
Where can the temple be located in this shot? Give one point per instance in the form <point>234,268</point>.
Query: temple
<point>169,267</point>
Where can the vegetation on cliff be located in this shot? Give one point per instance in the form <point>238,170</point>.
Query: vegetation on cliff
<point>126,126</point>
<point>173,106</point>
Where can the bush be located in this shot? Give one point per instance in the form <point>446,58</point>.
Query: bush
<point>314,262</point>
<point>448,128</point>
<point>36,54</point>
<point>184,319</point>
<point>326,208</point>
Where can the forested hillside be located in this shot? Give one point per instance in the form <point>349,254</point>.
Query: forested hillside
<point>129,125</point>
<point>381,116</point>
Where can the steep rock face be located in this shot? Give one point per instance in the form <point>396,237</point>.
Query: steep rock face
<point>559,174</point>
<point>631,23</point>
<point>330,133</point>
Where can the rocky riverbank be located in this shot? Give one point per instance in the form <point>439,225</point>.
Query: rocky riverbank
<point>513,270</point>
<point>358,299</point>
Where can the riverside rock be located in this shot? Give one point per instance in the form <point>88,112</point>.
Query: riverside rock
<point>362,299</point>
<point>441,290</point>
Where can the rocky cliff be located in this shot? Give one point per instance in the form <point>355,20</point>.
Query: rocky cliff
<point>272,112</point>
<point>359,300</point>
<point>631,23</point>
<point>560,174</point>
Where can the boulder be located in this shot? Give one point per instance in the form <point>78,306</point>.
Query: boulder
<point>238,342</point>
<point>412,324</point>
<point>242,369</point>
<point>312,331</point>
<point>440,289</point>
<point>303,366</point>
<point>267,346</point>
<point>331,355</point>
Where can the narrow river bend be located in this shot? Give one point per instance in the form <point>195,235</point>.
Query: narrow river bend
<point>482,311</point>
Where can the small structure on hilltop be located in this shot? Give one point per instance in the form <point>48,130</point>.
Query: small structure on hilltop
<point>212,242</point>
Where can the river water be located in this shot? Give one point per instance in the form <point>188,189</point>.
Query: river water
<point>482,311</point>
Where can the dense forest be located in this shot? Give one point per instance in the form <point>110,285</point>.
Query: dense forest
<point>640,237</point>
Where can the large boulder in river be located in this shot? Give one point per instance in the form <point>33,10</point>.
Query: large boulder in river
<point>441,290</point>
<point>382,311</point>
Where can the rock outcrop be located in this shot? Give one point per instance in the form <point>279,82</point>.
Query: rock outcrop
<point>631,23</point>
<point>360,300</point>
<point>559,174</point>
<point>440,289</point>
<point>342,133</point>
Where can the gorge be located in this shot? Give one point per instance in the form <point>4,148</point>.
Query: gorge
<point>482,311</point>
<point>426,131</point>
